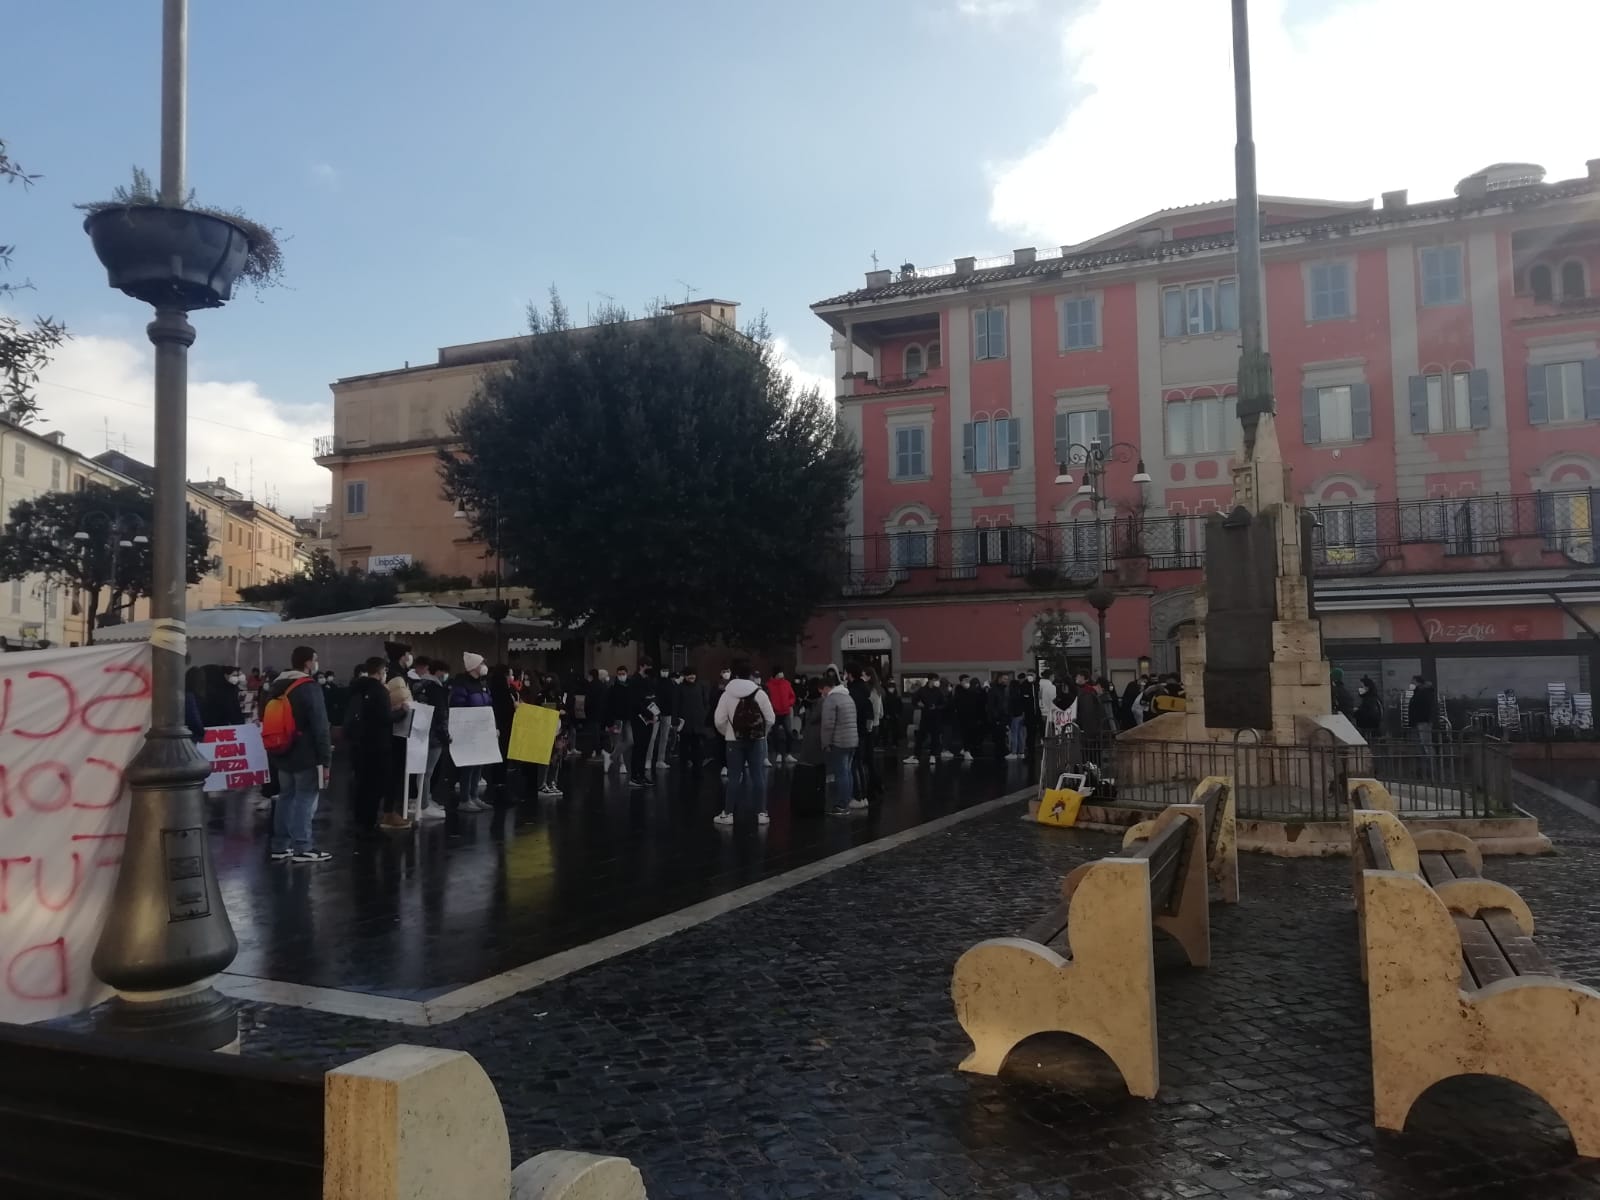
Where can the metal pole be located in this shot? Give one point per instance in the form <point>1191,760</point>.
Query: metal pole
<point>1255,369</point>
<point>174,101</point>
<point>167,934</point>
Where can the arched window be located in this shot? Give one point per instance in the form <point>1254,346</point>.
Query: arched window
<point>913,361</point>
<point>1539,283</point>
<point>912,544</point>
<point>933,354</point>
<point>1572,281</point>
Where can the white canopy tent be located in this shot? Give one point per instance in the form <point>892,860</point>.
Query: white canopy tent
<point>227,634</point>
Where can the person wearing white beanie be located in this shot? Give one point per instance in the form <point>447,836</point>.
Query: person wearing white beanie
<point>468,690</point>
<point>472,662</point>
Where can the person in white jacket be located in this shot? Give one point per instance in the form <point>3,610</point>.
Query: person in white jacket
<point>744,717</point>
<point>1047,701</point>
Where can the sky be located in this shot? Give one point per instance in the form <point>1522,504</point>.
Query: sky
<point>433,169</point>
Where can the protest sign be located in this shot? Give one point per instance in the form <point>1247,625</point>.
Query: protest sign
<point>533,732</point>
<point>417,739</point>
<point>473,739</point>
<point>70,722</point>
<point>238,759</point>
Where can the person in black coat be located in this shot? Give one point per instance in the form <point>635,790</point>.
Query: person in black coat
<point>692,712</point>
<point>369,732</point>
<point>593,729</point>
<point>1369,709</point>
<point>644,710</point>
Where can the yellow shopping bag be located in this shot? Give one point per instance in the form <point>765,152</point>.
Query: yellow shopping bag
<point>1059,807</point>
<point>533,732</point>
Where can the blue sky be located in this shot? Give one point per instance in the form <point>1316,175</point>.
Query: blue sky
<point>436,167</point>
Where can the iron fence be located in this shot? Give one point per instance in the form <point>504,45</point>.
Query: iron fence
<point>1447,777</point>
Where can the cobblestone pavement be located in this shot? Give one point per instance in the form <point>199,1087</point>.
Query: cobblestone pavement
<point>806,1046</point>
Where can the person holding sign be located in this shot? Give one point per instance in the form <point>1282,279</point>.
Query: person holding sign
<point>469,690</point>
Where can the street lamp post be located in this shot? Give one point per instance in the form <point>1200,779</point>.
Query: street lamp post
<point>167,934</point>
<point>1255,367</point>
<point>123,532</point>
<point>1101,599</point>
<point>497,608</point>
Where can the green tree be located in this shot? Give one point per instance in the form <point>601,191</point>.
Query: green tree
<point>24,348</point>
<point>656,478</point>
<point>323,589</point>
<point>39,539</point>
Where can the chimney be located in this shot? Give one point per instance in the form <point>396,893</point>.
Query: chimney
<point>878,279</point>
<point>964,265</point>
<point>1395,199</point>
<point>1594,168</point>
<point>55,437</point>
<point>1024,257</point>
<point>908,270</point>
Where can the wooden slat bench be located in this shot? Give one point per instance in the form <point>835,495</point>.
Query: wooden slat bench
<point>1457,986</point>
<point>1098,981</point>
<point>86,1117</point>
<point>1216,795</point>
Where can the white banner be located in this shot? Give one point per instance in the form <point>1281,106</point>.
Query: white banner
<point>238,759</point>
<point>417,738</point>
<point>473,738</point>
<point>70,722</point>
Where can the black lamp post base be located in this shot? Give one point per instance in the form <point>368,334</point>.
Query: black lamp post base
<point>202,1019</point>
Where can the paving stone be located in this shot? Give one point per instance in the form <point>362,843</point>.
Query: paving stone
<point>805,1046</point>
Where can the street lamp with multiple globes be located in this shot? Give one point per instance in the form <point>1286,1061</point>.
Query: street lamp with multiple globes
<point>1092,459</point>
<point>122,532</point>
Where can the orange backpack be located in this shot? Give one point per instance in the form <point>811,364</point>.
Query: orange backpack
<point>278,729</point>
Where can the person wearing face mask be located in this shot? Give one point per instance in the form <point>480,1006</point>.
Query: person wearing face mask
<point>618,724</point>
<point>1369,709</point>
<point>302,766</point>
<point>470,689</point>
<point>592,728</point>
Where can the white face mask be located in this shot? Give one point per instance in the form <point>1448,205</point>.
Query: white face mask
<point>727,675</point>
<point>405,660</point>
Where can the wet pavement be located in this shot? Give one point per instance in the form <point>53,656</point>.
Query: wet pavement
<point>416,914</point>
<point>805,1045</point>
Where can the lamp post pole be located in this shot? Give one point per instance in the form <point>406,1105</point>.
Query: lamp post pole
<point>1255,366</point>
<point>1101,600</point>
<point>167,934</point>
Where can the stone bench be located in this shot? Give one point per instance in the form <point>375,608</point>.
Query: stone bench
<point>1215,794</point>
<point>1456,986</point>
<point>86,1116</point>
<point>1099,982</point>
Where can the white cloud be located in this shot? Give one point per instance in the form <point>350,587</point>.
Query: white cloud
<point>327,175</point>
<point>994,10</point>
<point>807,370</point>
<point>1364,97</point>
<point>105,385</point>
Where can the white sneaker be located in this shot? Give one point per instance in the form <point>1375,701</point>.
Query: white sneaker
<point>912,761</point>
<point>622,769</point>
<point>966,756</point>
<point>769,764</point>
<point>662,766</point>
<point>432,812</point>
<point>724,772</point>
<point>550,789</point>
<point>946,756</point>
<point>790,759</point>
<point>763,818</point>
<point>723,818</point>
<point>859,804</point>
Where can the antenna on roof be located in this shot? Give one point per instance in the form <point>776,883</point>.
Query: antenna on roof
<point>688,290</point>
<point>874,260</point>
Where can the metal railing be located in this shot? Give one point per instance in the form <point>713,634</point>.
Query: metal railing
<point>1448,777</point>
<point>1350,539</point>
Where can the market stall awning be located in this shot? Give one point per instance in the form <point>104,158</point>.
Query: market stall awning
<point>228,621</point>
<point>401,620</point>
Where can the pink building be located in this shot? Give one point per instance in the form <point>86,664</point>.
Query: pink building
<point>1437,372</point>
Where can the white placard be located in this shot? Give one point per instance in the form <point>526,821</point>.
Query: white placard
<point>70,722</point>
<point>237,757</point>
<point>474,741</point>
<point>417,739</point>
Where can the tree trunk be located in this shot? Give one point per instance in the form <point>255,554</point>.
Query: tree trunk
<point>88,626</point>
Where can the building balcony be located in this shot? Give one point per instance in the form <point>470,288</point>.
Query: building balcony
<point>1553,530</point>
<point>933,379</point>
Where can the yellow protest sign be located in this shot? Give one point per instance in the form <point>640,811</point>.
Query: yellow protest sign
<point>533,733</point>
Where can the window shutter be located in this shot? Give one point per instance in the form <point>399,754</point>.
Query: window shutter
<point>969,447</point>
<point>1419,404</point>
<point>997,333</point>
<point>1478,397</point>
<point>1015,460</point>
<point>1104,433</point>
<point>1538,398</point>
<point>1591,388</point>
<point>1310,416</point>
<point>1360,411</point>
<point>980,332</point>
<point>1062,440</point>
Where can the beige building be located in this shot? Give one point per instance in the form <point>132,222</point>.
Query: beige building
<point>389,507</point>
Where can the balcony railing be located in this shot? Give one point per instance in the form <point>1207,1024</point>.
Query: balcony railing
<point>1537,529</point>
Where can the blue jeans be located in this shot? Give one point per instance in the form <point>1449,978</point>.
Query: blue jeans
<point>747,773</point>
<point>292,811</point>
<point>1019,736</point>
<point>839,778</point>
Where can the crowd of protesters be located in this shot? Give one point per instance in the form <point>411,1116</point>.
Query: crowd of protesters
<point>836,730</point>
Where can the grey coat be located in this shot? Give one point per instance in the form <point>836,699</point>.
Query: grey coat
<point>839,730</point>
